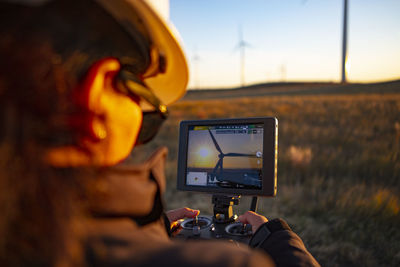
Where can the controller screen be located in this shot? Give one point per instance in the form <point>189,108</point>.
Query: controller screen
<point>225,156</point>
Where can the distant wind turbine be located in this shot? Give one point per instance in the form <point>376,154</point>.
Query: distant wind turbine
<point>283,73</point>
<point>195,60</point>
<point>241,46</point>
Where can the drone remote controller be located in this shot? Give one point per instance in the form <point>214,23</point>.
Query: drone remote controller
<point>205,227</point>
<point>223,225</point>
<point>227,158</point>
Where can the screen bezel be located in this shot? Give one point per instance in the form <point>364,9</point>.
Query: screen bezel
<point>270,150</point>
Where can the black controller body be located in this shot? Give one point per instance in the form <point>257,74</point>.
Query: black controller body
<point>206,227</point>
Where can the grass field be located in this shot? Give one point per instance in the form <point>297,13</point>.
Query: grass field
<point>338,174</point>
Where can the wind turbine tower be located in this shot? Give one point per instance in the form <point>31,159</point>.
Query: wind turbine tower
<point>344,47</point>
<point>242,49</point>
<point>195,61</point>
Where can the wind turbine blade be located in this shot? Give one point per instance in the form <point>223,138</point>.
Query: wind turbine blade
<point>215,142</point>
<point>240,155</point>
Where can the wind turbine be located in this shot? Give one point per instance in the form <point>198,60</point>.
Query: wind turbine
<point>242,48</point>
<point>344,45</point>
<point>283,72</point>
<point>195,60</point>
<point>218,171</point>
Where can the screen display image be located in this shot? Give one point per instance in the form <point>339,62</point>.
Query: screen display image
<point>225,156</point>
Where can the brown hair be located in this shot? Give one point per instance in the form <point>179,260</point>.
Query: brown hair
<point>44,52</point>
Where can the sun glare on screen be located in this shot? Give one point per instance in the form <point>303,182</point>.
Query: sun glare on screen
<point>204,152</point>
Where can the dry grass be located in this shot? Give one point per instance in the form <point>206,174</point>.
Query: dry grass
<point>338,176</point>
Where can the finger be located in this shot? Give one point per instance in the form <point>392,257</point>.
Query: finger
<point>175,226</point>
<point>176,230</point>
<point>181,213</point>
<point>246,219</point>
<point>243,219</point>
<point>173,215</point>
<point>254,219</point>
<point>190,213</point>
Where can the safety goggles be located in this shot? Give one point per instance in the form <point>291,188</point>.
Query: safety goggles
<point>130,84</point>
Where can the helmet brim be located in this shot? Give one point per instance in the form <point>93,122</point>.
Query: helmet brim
<point>170,85</point>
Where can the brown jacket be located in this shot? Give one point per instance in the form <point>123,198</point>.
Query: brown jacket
<point>115,239</point>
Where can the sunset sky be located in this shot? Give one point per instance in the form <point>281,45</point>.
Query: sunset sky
<point>291,40</point>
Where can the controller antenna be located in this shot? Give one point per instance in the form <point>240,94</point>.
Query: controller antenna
<point>253,206</point>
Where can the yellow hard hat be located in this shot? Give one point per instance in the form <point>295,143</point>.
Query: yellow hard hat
<point>171,83</point>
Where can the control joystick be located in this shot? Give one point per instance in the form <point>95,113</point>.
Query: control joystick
<point>239,229</point>
<point>223,225</point>
<point>195,225</point>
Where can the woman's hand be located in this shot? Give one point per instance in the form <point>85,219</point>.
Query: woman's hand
<point>254,219</point>
<point>174,217</point>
